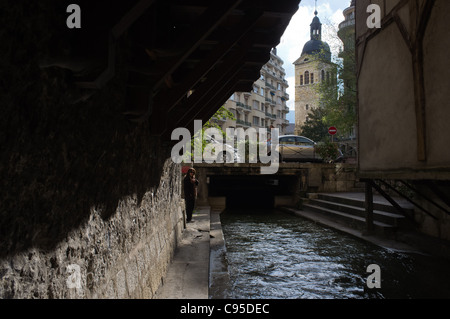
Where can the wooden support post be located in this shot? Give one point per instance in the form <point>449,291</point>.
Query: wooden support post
<point>369,207</point>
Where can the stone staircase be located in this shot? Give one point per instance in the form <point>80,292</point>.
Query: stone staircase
<point>348,209</point>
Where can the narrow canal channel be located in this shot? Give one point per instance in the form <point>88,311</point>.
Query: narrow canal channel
<point>275,255</point>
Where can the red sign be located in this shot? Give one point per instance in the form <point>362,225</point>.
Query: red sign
<point>332,130</point>
<point>184,169</point>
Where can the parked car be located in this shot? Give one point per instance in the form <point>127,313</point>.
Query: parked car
<point>293,148</point>
<point>297,148</point>
<point>227,151</point>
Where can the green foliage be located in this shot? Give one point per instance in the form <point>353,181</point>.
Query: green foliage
<point>339,99</point>
<point>327,150</point>
<point>222,114</point>
<point>315,127</point>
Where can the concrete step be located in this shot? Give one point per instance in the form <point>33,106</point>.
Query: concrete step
<point>351,220</point>
<point>381,216</point>
<point>358,201</point>
<point>357,189</point>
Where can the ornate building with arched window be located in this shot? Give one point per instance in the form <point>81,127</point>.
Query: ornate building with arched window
<point>313,66</point>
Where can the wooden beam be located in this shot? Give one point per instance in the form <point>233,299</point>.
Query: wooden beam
<point>170,97</point>
<point>200,30</point>
<point>209,109</point>
<point>217,99</point>
<point>220,75</point>
<point>368,204</point>
<point>131,16</point>
<point>205,111</point>
<point>212,91</point>
<point>210,88</point>
<point>273,8</point>
<point>420,20</point>
<point>232,79</point>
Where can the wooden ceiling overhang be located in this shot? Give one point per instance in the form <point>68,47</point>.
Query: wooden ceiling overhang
<point>184,57</point>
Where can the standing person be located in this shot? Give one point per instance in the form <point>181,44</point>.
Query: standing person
<point>190,192</point>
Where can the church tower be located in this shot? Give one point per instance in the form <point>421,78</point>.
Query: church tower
<point>312,67</point>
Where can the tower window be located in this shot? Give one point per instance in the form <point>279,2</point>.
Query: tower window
<point>323,75</point>
<point>301,79</point>
<point>312,78</point>
<point>306,77</point>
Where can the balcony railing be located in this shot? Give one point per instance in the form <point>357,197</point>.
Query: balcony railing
<point>244,106</point>
<point>219,120</point>
<point>242,122</point>
<point>347,23</point>
<point>270,86</point>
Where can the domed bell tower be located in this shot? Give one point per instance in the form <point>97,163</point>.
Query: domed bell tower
<point>312,67</point>
<point>316,28</point>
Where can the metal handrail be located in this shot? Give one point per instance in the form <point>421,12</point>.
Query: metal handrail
<point>407,198</point>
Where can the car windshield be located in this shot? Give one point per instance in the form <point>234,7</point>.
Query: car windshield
<point>287,140</point>
<point>303,141</point>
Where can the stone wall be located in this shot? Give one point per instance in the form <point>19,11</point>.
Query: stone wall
<point>333,178</point>
<point>124,256</point>
<point>83,189</point>
<point>90,203</point>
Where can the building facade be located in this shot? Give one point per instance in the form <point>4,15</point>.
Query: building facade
<point>403,105</point>
<point>265,106</point>
<point>312,67</point>
<point>347,29</point>
<point>346,33</point>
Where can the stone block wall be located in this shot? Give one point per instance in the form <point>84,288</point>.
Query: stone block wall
<point>90,203</point>
<point>333,178</point>
<point>125,256</point>
<point>307,95</point>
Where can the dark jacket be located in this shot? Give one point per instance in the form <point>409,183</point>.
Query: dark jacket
<point>190,187</point>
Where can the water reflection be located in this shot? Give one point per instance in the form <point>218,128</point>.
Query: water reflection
<point>275,255</point>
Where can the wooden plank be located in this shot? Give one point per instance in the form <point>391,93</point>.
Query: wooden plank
<point>208,89</point>
<point>368,204</point>
<point>170,97</point>
<point>200,30</point>
<point>131,17</point>
<point>210,107</point>
<point>420,19</point>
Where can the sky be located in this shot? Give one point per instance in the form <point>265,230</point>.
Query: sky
<point>297,34</point>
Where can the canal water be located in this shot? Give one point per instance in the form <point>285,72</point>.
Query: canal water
<point>273,255</point>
